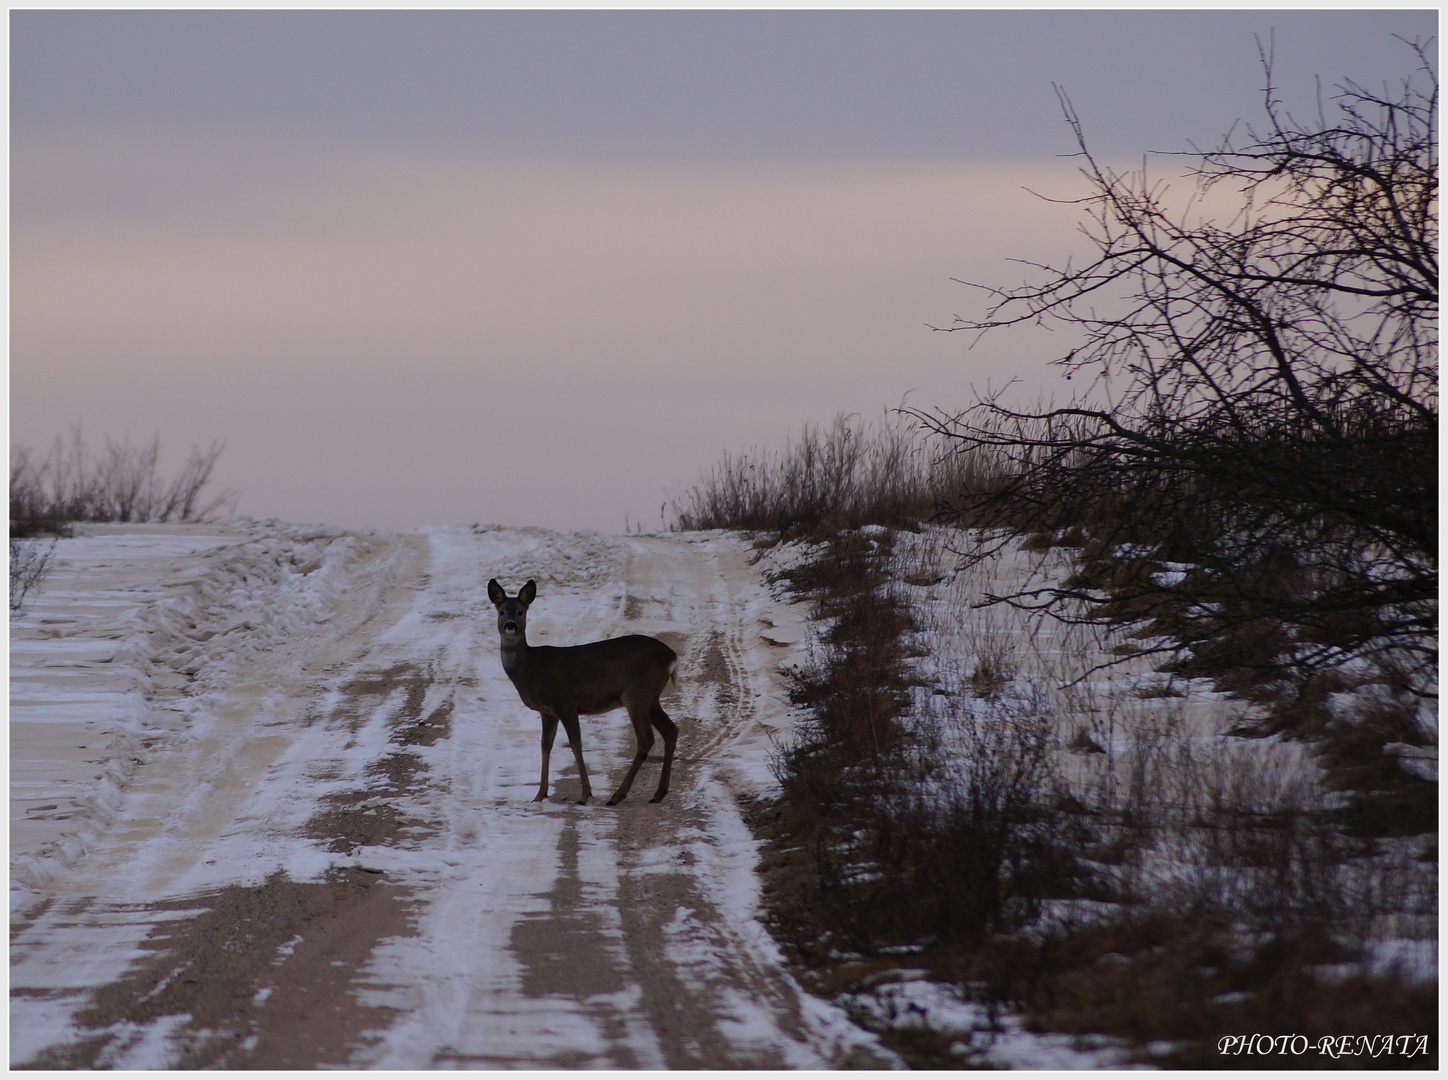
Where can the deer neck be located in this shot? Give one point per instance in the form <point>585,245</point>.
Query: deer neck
<point>515,655</point>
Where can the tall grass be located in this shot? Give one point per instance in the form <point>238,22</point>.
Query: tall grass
<point>848,473</point>
<point>1150,879</point>
<point>70,484</point>
<point>120,483</point>
<point>1084,847</point>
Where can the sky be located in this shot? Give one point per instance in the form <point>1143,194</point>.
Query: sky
<point>547,267</point>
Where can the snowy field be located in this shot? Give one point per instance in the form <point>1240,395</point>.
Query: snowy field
<point>271,805</point>
<point>1128,737</point>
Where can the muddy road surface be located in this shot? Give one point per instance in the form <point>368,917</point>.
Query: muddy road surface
<point>271,808</point>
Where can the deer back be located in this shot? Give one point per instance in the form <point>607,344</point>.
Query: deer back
<point>594,677</point>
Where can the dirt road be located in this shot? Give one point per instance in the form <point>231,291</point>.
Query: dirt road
<point>320,849</point>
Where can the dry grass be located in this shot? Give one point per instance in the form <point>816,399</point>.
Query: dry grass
<point>848,474</point>
<point>1209,846</point>
<point>1175,983</point>
<point>121,483</point>
<point>1076,845</point>
<point>970,826</point>
<point>875,845</point>
<point>29,560</point>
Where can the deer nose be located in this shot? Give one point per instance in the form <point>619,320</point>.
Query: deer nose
<point>510,626</point>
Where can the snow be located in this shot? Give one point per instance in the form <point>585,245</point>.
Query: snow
<point>82,668</point>
<point>1078,680</point>
<point>982,1038</point>
<point>185,700</point>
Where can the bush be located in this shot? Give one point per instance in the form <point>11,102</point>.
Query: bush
<point>29,559</point>
<point>892,473</point>
<point>898,827</point>
<point>1262,482</point>
<point>123,484</point>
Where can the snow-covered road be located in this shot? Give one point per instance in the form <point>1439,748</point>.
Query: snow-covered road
<point>271,808</point>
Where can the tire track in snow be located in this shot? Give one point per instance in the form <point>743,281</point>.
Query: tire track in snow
<point>689,895</point>
<point>381,848</point>
<point>559,936</point>
<point>186,934</point>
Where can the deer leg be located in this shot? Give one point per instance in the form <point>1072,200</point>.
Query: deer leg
<point>645,737</point>
<point>670,731</point>
<point>550,731</point>
<point>575,740</point>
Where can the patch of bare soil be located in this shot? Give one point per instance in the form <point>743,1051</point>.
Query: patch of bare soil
<point>667,918</point>
<point>685,966</point>
<point>565,954</point>
<point>263,976</point>
<point>369,690</point>
<point>368,817</point>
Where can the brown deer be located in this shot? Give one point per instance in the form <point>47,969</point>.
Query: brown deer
<point>562,682</point>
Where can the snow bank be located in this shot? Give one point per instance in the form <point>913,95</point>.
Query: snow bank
<point>132,627</point>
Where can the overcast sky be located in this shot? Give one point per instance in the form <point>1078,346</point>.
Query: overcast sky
<point>543,268</point>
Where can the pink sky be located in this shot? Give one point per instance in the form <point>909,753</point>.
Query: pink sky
<point>481,324</point>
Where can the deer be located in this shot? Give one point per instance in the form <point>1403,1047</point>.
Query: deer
<point>560,683</point>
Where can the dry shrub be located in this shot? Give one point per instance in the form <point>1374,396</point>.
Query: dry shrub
<point>1174,983</point>
<point>848,474</point>
<point>1361,754</point>
<point>68,485</point>
<point>876,841</point>
<point>1222,873</point>
<point>29,560</point>
<point>123,483</point>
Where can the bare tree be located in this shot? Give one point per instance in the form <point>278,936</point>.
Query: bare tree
<point>1253,467</point>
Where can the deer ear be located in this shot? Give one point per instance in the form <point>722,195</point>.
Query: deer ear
<point>495,592</point>
<point>527,593</point>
